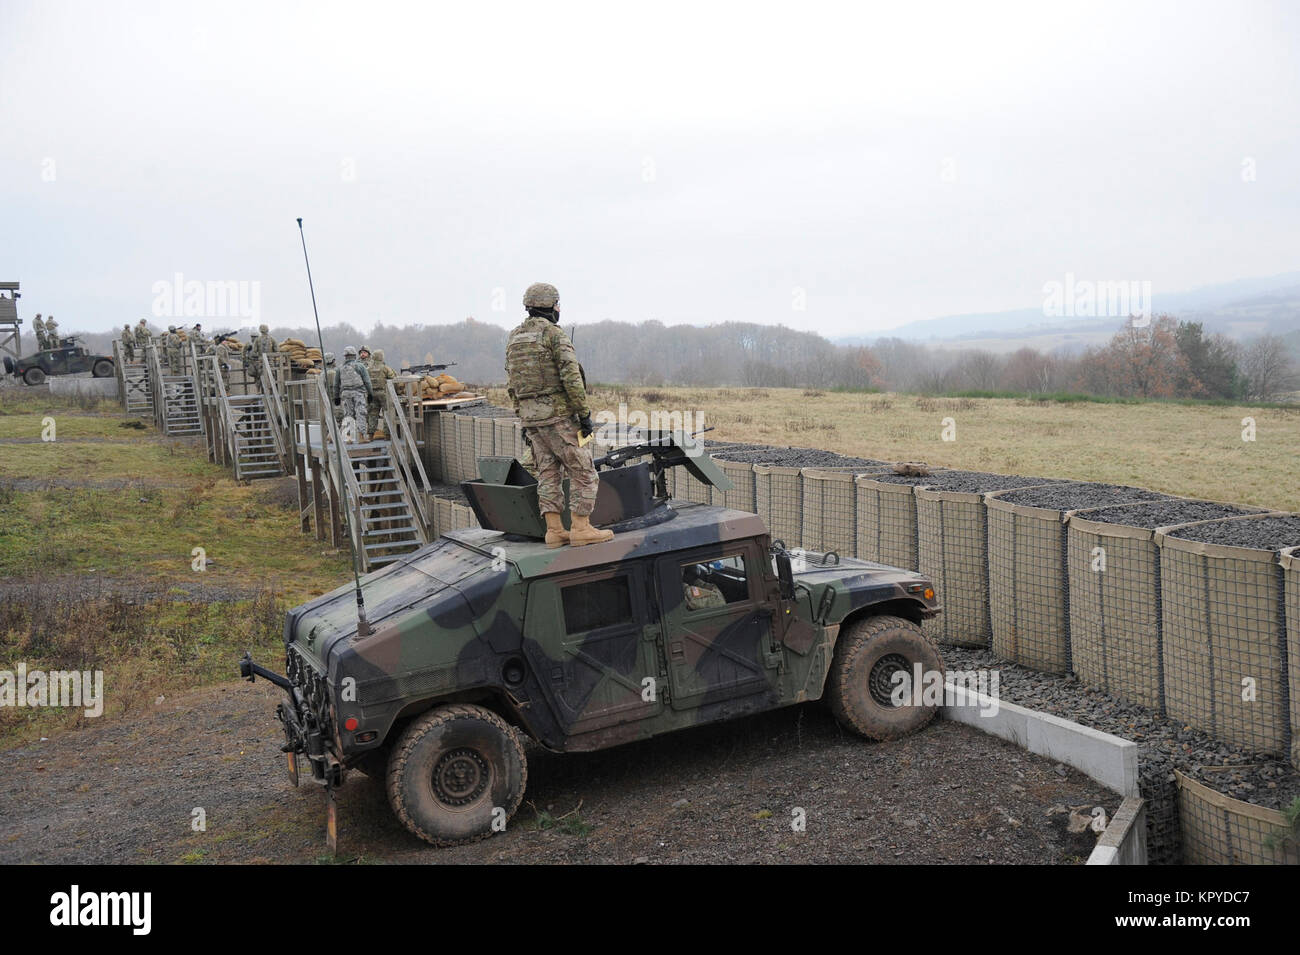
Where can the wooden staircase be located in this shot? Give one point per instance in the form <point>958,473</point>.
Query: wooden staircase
<point>180,405</point>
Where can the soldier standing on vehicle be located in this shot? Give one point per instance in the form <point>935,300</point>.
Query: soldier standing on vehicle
<point>352,389</point>
<point>380,374</point>
<point>545,384</point>
<point>38,326</point>
<point>52,333</point>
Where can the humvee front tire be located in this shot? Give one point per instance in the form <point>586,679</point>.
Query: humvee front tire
<point>452,770</point>
<point>33,376</point>
<point>861,688</point>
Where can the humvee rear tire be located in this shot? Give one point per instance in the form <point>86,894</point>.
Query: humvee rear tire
<point>452,770</point>
<point>860,687</point>
<point>33,376</point>
<point>103,368</point>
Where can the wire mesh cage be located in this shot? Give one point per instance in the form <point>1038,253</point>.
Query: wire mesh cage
<point>886,521</point>
<point>1114,621</point>
<point>465,443</point>
<point>741,495</point>
<point>1224,638</point>
<point>1290,562</point>
<point>952,550</point>
<point>830,510</point>
<point>778,497</point>
<point>449,447</point>
<point>485,439</point>
<point>1220,830</point>
<point>503,438</point>
<point>1027,584</point>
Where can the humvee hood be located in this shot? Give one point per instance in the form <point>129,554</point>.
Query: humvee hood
<point>426,583</point>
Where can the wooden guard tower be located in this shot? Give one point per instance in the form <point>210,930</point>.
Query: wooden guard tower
<point>11,339</point>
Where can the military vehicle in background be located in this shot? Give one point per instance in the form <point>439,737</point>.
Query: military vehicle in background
<point>690,615</point>
<point>69,358</point>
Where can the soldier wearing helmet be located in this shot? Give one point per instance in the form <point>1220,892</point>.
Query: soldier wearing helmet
<point>172,345</point>
<point>331,384</point>
<point>380,373</point>
<point>143,337</point>
<point>352,390</point>
<point>128,343</point>
<point>262,344</point>
<point>545,384</point>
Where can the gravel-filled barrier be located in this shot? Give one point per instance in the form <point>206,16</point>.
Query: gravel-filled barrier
<point>450,515</point>
<point>741,495</point>
<point>1290,562</point>
<point>1220,830</point>
<point>1164,746</point>
<point>1114,580</point>
<point>886,509</point>
<point>778,487</point>
<point>952,549</point>
<point>1028,583</point>
<point>485,438</point>
<point>830,510</point>
<point>1223,624</point>
<point>509,437</point>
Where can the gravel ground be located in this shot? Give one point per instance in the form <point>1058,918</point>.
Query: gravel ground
<point>485,411</point>
<point>798,458</point>
<point>1267,533</point>
<point>1066,497</point>
<point>717,794</point>
<point>972,481</point>
<point>1164,744</point>
<point>449,492</point>
<point>1164,513</point>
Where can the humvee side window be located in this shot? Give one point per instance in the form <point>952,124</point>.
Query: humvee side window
<point>714,583</point>
<point>596,604</point>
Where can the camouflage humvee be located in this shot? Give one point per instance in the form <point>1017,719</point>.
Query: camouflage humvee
<point>690,615</point>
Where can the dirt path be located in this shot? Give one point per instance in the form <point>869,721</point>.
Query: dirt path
<point>127,791</point>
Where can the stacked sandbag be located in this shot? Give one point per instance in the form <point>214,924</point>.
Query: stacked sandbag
<point>300,354</point>
<point>439,386</point>
<point>234,344</point>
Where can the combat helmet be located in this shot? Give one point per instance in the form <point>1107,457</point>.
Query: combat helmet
<point>263,329</point>
<point>349,351</point>
<point>541,295</point>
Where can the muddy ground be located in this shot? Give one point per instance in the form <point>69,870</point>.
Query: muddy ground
<point>128,791</point>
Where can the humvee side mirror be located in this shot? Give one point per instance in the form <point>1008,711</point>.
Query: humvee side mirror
<point>784,575</point>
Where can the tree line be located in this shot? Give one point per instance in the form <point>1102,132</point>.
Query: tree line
<point>1159,358</point>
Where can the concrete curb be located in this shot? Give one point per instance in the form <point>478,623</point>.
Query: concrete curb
<point>1109,760</point>
<point>69,385</point>
<point>1125,840</point>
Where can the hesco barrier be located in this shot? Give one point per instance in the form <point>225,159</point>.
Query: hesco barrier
<point>1115,608</point>
<point>465,445</point>
<point>1028,589</point>
<point>452,516</point>
<point>778,499</point>
<point>886,522</point>
<point>450,448</point>
<point>952,550</point>
<point>830,510</point>
<point>1224,637</point>
<point>1220,830</point>
<point>431,453</point>
<point>506,437</point>
<point>741,495</point>
<point>1291,591</point>
<point>485,439</point>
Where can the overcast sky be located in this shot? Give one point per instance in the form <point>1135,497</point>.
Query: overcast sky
<point>838,168</point>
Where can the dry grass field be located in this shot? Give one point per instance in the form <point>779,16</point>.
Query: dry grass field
<point>1196,450</point>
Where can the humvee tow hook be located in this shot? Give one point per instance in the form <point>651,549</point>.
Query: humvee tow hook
<point>250,671</point>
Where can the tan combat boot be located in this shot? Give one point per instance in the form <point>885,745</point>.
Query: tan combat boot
<point>556,535</point>
<point>584,533</point>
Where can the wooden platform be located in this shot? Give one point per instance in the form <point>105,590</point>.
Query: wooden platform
<point>446,404</point>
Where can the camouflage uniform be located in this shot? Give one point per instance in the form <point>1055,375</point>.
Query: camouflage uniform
<point>352,388</point>
<point>38,326</point>
<point>128,344</point>
<point>546,387</point>
<point>172,342</point>
<point>52,333</point>
<point>262,344</point>
<point>380,374</point>
<point>222,351</point>
<point>702,595</point>
<point>332,384</point>
<point>142,339</point>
